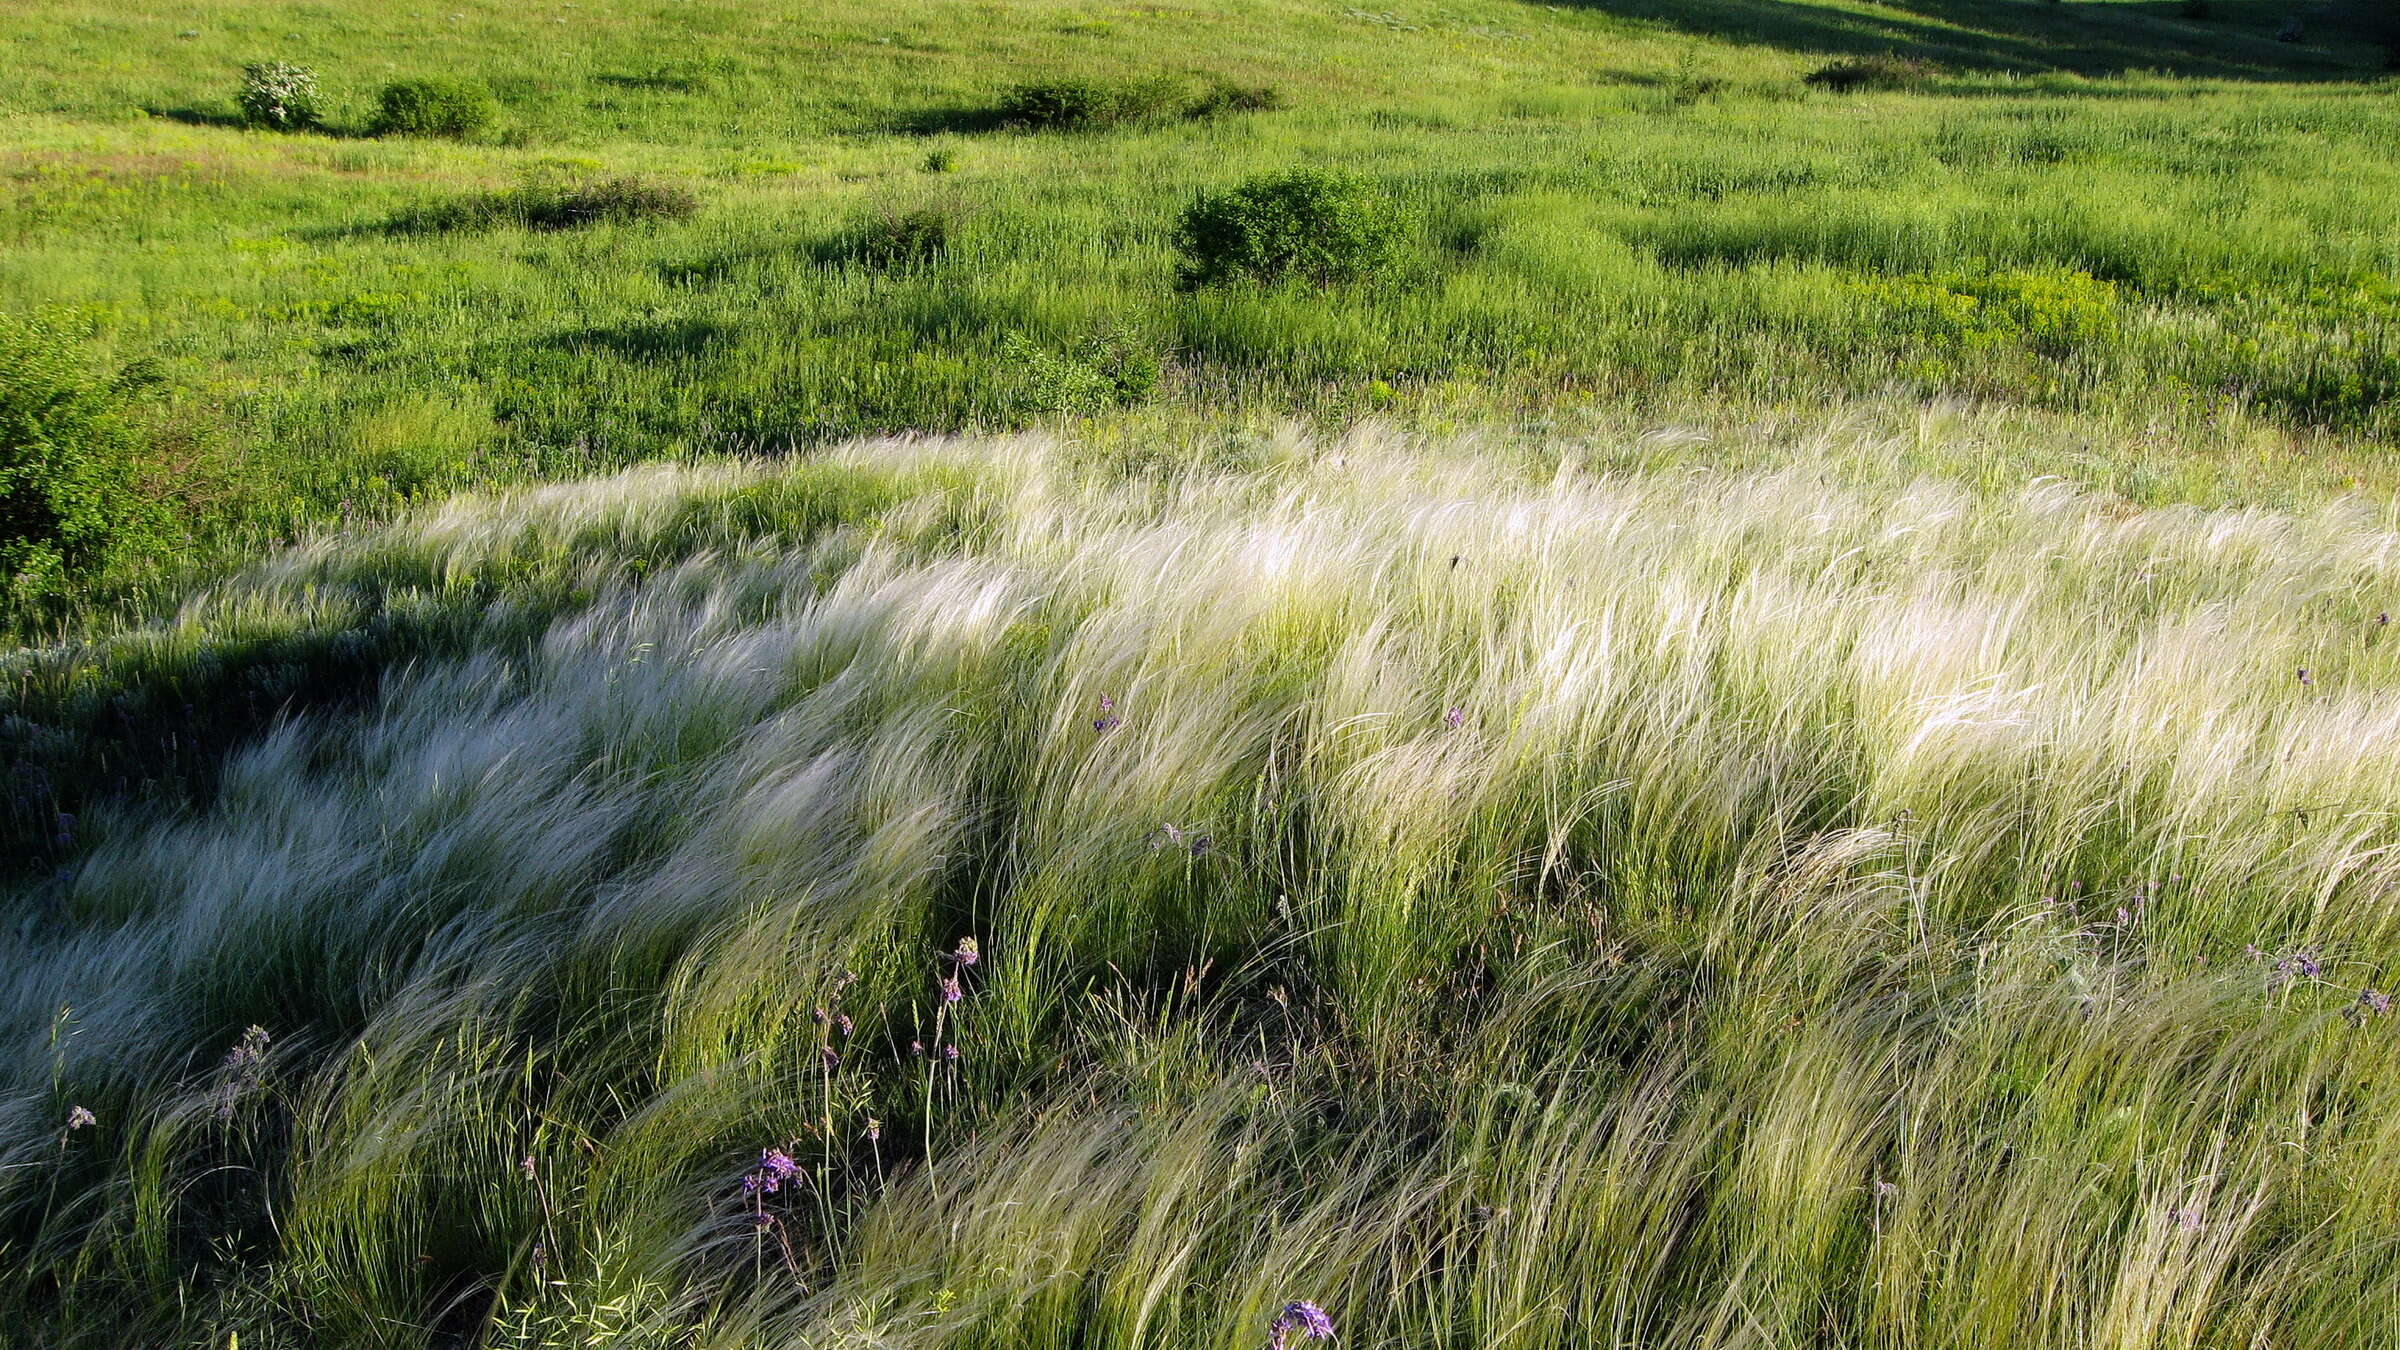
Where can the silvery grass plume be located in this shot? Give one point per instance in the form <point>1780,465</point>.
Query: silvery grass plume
<point>1697,856</point>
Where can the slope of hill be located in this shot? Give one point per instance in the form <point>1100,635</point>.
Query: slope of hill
<point>2150,225</point>
<point>1774,736</point>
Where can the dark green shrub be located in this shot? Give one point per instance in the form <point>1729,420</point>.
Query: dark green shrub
<point>940,161</point>
<point>1225,97</point>
<point>71,457</point>
<point>893,239</point>
<point>280,96</point>
<point>1311,225</point>
<point>557,206</point>
<point>450,109</point>
<point>1885,71</point>
<point>1087,105</point>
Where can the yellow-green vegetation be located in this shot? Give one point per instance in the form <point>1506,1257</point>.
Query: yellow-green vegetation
<point>2157,226</point>
<point>995,675</point>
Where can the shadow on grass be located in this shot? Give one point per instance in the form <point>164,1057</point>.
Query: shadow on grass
<point>2238,41</point>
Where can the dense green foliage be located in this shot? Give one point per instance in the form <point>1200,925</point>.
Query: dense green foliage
<point>1311,225</point>
<point>71,458</point>
<point>452,109</point>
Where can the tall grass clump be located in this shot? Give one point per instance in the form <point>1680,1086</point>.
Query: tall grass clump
<point>563,205</point>
<point>1042,893</point>
<point>447,109</point>
<point>1884,70</point>
<point>1309,225</point>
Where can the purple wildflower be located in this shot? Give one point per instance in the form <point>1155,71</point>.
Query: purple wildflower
<point>78,1117</point>
<point>844,1024</point>
<point>1108,720</point>
<point>916,1047</point>
<point>950,1053</point>
<point>817,1015</point>
<point>529,1167</point>
<point>1304,1317</point>
<point>967,953</point>
<point>775,1167</point>
<point>951,993</point>
<point>1456,717</point>
<point>2375,1002</point>
<point>874,1129</point>
<point>2305,677</point>
<point>2300,965</point>
<point>2188,1218</point>
<point>830,1056</point>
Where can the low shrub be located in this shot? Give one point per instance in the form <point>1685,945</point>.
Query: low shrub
<point>448,109</point>
<point>71,447</point>
<point>1310,225</point>
<point>893,239</point>
<point>557,206</point>
<point>1088,105</point>
<point>1884,71</point>
<point>940,161</point>
<point>280,96</point>
<point>1225,97</point>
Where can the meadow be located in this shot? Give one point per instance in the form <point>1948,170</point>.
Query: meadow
<point>2154,228</point>
<point>744,711</point>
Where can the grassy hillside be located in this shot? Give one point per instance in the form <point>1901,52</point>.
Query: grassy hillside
<point>1775,737</point>
<point>1499,902</point>
<point>2162,230</point>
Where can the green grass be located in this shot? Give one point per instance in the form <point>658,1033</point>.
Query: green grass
<point>1502,899</point>
<point>1613,206</point>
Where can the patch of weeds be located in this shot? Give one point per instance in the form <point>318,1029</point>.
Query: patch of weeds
<point>1225,97</point>
<point>556,206</point>
<point>1109,369</point>
<point>1886,70</point>
<point>892,240</point>
<point>2050,312</point>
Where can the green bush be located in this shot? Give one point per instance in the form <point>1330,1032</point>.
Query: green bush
<point>557,206</point>
<point>1311,225</point>
<point>1086,105</point>
<point>893,240</point>
<point>451,109</point>
<point>280,96</point>
<point>71,443</point>
<point>1884,71</point>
